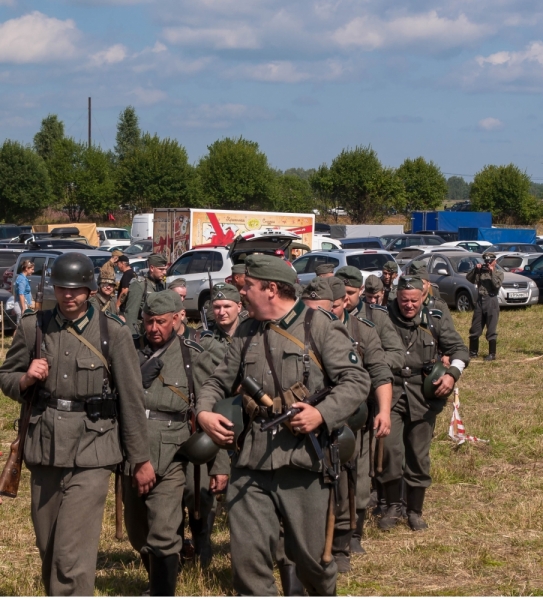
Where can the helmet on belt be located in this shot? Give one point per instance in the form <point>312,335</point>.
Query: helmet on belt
<point>232,409</point>
<point>199,448</point>
<point>358,419</point>
<point>428,387</point>
<point>73,270</point>
<point>347,444</point>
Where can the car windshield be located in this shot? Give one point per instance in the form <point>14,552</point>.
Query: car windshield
<point>464,263</point>
<point>386,239</point>
<point>138,247</point>
<point>117,234</point>
<point>99,261</point>
<point>368,262</point>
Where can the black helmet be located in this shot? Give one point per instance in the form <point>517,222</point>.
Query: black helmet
<point>358,419</point>
<point>347,444</point>
<point>428,387</point>
<point>232,409</point>
<point>73,270</point>
<point>199,449</point>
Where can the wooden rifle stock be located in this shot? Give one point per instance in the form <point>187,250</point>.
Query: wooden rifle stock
<point>119,503</point>
<point>11,475</point>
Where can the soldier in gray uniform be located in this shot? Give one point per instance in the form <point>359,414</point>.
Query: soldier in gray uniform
<point>88,413</point>
<point>228,311</point>
<point>104,298</point>
<point>325,270</point>
<point>173,369</point>
<point>374,290</point>
<point>488,280</point>
<point>390,272</point>
<point>277,475</point>
<point>140,288</point>
<point>414,412</point>
<point>238,276</point>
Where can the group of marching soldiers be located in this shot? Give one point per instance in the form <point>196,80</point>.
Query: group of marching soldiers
<point>305,406</point>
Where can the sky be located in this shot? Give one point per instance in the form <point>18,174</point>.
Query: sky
<point>459,82</point>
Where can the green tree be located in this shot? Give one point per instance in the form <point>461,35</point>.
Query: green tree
<point>458,188</point>
<point>155,173</point>
<point>301,173</point>
<point>128,132</point>
<point>424,183</point>
<point>322,186</point>
<point>51,131</point>
<point>359,183</point>
<point>25,187</point>
<point>505,192</point>
<point>536,189</point>
<point>82,178</point>
<point>293,195</point>
<point>236,175</point>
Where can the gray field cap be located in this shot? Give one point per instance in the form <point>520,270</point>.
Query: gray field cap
<point>373,285</point>
<point>317,289</point>
<point>337,286</point>
<point>161,303</point>
<point>225,291</point>
<point>351,276</point>
<point>269,268</point>
<point>410,283</point>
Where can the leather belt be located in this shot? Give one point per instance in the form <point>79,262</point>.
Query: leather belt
<point>407,372</point>
<point>161,415</point>
<point>67,405</point>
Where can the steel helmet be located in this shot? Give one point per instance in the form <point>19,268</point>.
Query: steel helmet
<point>358,419</point>
<point>428,387</point>
<point>232,409</point>
<point>73,270</point>
<point>347,444</point>
<point>199,449</point>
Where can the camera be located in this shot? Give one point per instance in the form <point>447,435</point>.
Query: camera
<point>487,261</point>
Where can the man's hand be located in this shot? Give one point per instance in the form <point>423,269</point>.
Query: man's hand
<point>217,427</point>
<point>37,371</point>
<point>444,386</point>
<point>217,483</point>
<point>307,420</point>
<point>381,424</point>
<point>144,478</point>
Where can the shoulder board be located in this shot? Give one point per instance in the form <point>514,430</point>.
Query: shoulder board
<point>366,321</point>
<point>29,312</point>
<point>192,344</point>
<point>330,315</point>
<point>379,307</point>
<point>205,333</point>
<point>114,317</point>
<point>435,312</point>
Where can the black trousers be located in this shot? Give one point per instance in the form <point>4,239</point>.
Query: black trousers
<point>486,313</point>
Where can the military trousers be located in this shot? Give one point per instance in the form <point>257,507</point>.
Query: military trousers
<point>152,521</point>
<point>258,502</point>
<point>486,313</point>
<point>67,506</point>
<point>417,437</point>
<point>207,499</point>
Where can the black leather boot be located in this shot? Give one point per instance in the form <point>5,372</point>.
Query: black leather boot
<point>341,549</point>
<point>491,350</point>
<point>201,536</point>
<point>356,539</point>
<point>473,347</point>
<point>163,575</point>
<point>145,561</point>
<point>393,514</point>
<point>415,502</point>
<point>292,586</point>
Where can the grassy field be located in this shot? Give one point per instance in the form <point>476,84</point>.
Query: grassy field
<point>485,508</point>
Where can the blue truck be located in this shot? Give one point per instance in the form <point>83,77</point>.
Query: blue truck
<point>497,235</point>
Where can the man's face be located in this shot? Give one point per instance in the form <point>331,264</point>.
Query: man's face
<point>375,298</point>
<point>123,266</point>
<point>71,301</point>
<point>226,311</point>
<point>314,304</point>
<point>257,298</point>
<point>238,279</point>
<point>107,289</point>
<point>338,307</point>
<point>387,278</point>
<point>182,291</point>
<point>352,297</point>
<point>159,328</point>
<point>410,302</point>
<point>157,273</point>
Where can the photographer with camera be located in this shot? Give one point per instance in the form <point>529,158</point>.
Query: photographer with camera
<point>488,280</point>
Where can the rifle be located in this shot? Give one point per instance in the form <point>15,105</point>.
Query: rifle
<point>332,471</point>
<point>11,475</point>
<point>119,503</point>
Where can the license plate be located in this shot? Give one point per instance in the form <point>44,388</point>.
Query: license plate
<point>517,295</point>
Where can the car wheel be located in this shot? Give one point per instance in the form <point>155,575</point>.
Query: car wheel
<point>463,301</point>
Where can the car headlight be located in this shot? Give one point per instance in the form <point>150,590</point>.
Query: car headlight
<point>10,304</point>
<point>532,284</point>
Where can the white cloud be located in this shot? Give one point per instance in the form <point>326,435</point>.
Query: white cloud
<point>37,38</point>
<point>290,72</point>
<point>533,54</point>
<point>490,124</point>
<point>148,96</point>
<point>9,3</point>
<point>219,38</point>
<point>113,54</point>
<point>223,116</point>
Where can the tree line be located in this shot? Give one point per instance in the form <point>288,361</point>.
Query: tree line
<point>146,172</point>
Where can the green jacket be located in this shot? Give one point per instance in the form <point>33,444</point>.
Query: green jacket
<point>135,300</point>
<point>67,439</point>
<point>488,282</point>
<point>342,369</point>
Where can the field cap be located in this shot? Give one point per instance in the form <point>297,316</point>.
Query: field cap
<point>337,286</point>
<point>238,269</point>
<point>225,291</point>
<point>351,276</point>
<point>317,289</point>
<point>179,282</point>
<point>324,269</point>
<point>157,260</point>
<point>419,269</point>
<point>391,266</point>
<point>161,303</point>
<point>373,285</point>
<point>269,268</point>
<point>410,282</point>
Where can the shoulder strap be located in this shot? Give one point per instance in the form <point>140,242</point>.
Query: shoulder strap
<point>431,325</point>
<point>92,348</point>
<point>185,353</point>
<point>250,335</point>
<point>307,343</point>
<point>296,341</point>
<point>175,390</point>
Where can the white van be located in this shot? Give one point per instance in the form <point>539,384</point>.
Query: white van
<point>324,242</point>
<point>142,227</point>
<point>113,236</point>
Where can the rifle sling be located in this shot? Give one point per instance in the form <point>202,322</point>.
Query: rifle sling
<point>298,343</point>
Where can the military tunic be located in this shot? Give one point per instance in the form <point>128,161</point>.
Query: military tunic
<point>487,308</point>
<point>138,288</point>
<point>278,476</point>
<point>70,456</point>
<point>104,303</point>
<point>412,416</point>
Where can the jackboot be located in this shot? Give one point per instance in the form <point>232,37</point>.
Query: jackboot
<point>491,350</point>
<point>415,502</point>
<point>381,507</point>
<point>341,550</point>
<point>473,347</point>
<point>356,546</point>
<point>201,536</point>
<point>145,562</point>
<point>163,575</point>
<point>292,586</point>
<point>393,512</point>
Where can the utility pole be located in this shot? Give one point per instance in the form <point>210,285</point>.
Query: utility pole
<point>89,122</point>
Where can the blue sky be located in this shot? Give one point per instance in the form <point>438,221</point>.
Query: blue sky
<point>459,82</point>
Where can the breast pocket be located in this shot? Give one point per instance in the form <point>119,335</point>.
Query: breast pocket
<point>89,376</point>
<point>429,349</point>
<point>291,369</point>
<point>99,445</point>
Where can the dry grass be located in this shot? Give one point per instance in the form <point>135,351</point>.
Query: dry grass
<point>485,508</point>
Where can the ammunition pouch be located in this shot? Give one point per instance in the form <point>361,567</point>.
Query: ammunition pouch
<point>150,371</point>
<point>101,407</point>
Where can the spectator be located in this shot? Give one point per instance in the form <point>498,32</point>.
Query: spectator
<point>123,264</point>
<point>22,293</point>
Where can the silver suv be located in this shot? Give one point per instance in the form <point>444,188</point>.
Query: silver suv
<point>368,261</point>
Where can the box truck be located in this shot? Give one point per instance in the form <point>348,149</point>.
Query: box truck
<point>440,220</point>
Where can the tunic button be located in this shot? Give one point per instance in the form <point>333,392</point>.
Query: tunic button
<point>269,372</point>
<point>65,376</point>
<point>407,383</point>
<point>66,353</point>
<point>407,352</point>
<point>60,418</point>
<point>101,429</point>
<point>92,366</point>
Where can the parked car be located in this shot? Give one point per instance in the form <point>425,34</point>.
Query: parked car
<point>464,205</point>
<point>7,231</point>
<point>194,265</point>
<point>411,252</point>
<point>325,242</point>
<point>535,272</point>
<point>362,242</point>
<point>518,247</point>
<point>396,242</point>
<point>143,249</point>
<point>448,236</point>
<point>448,270</point>
<point>368,261</point>
<point>470,246</point>
<point>113,236</point>
<point>516,261</point>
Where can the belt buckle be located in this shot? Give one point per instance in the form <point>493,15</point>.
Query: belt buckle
<point>64,405</point>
